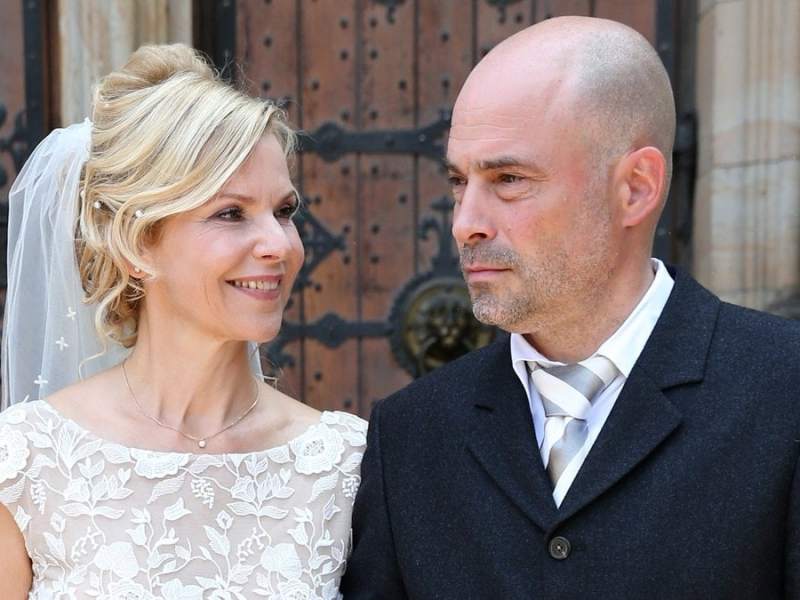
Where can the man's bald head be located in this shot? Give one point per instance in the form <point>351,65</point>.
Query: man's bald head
<point>610,77</point>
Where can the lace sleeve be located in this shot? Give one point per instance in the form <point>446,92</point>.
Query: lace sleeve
<point>15,463</point>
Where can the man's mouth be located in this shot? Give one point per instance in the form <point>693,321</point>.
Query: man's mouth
<point>474,273</point>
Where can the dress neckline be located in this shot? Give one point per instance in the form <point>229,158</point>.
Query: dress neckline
<point>106,442</point>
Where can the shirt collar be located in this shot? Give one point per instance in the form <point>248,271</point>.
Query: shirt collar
<point>627,342</point>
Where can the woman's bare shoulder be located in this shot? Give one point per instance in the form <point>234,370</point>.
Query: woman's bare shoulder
<point>87,401</point>
<point>283,416</point>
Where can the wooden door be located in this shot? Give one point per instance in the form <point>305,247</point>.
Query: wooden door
<point>12,115</point>
<point>24,111</point>
<point>380,300</point>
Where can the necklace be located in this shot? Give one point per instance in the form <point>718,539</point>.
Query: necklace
<point>201,441</point>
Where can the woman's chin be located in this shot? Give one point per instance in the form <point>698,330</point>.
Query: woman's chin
<point>263,335</point>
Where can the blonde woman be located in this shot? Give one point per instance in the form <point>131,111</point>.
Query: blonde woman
<point>157,241</point>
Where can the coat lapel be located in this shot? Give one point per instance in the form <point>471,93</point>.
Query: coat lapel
<point>501,438</point>
<point>643,417</point>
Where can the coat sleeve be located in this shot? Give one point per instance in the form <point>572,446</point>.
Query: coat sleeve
<point>372,570</point>
<point>792,567</point>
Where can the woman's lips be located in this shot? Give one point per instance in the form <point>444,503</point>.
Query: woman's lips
<point>264,287</point>
<point>260,294</point>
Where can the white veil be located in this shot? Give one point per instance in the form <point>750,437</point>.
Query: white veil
<point>49,337</point>
<point>48,331</point>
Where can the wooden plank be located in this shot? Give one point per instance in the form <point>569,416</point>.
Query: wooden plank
<point>547,9</point>
<point>639,14</point>
<point>495,24</point>
<point>386,227</point>
<point>267,50</point>
<point>12,98</point>
<point>267,54</point>
<point>445,56</point>
<point>327,44</point>
<point>12,84</point>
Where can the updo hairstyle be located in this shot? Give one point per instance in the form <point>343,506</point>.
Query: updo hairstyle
<point>167,134</point>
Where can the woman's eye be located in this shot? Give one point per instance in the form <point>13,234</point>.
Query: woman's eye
<point>234,213</point>
<point>455,181</point>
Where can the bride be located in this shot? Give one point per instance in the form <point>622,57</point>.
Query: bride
<point>155,244</point>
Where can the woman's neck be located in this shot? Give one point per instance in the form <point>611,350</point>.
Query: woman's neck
<point>187,379</point>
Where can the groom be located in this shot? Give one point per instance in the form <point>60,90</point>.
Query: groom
<point>634,437</point>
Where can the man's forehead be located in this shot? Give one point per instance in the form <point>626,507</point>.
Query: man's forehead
<point>490,122</point>
<point>479,121</point>
<point>503,113</point>
<point>489,155</point>
<point>478,135</point>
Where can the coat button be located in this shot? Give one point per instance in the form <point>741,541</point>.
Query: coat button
<point>559,547</point>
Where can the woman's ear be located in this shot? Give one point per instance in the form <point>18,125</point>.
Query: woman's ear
<point>146,251</point>
<point>133,271</point>
<point>140,270</point>
<point>640,179</point>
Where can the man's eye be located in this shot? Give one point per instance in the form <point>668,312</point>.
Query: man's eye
<point>288,210</point>
<point>234,213</point>
<point>455,180</point>
<point>509,178</point>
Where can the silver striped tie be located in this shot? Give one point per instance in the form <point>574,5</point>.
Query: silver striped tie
<point>567,392</point>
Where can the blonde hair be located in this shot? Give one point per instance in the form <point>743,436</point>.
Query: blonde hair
<point>167,134</point>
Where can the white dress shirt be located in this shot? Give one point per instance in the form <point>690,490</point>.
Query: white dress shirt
<point>622,348</point>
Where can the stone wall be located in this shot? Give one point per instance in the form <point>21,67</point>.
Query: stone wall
<point>97,36</point>
<point>747,199</point>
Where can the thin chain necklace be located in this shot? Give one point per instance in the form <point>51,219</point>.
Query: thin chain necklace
<point>201,441</point>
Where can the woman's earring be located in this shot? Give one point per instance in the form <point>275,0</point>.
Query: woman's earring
<point>137,270</point>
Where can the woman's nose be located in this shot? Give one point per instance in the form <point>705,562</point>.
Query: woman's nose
<point>272,240</point>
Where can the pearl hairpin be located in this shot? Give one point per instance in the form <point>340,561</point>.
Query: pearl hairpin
<point>97,204</point>
<point>139,213</point>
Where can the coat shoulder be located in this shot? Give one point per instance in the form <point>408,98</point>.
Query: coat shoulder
<point>448,388</point>
<point>764,326</point>
<point>758,354</point>
<point>762,336</point>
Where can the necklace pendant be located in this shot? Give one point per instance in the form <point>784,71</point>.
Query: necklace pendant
<point>201,443</point>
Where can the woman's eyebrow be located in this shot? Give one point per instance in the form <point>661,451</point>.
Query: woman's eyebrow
<point>236,196</point>
<point>289,195</point>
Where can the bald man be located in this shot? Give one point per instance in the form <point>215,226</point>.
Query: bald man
<point>634,436</point>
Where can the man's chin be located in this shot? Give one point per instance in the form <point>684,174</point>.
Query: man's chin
<point>488,313</point>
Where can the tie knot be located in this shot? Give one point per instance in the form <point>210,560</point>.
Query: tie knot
<point>568,390</point>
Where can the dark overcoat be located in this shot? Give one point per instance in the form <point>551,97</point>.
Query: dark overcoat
<point>691,490</point>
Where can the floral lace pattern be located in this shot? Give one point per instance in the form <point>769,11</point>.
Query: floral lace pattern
<point>104,521</point>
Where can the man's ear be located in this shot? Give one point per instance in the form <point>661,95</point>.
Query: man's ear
<point>639,181</point>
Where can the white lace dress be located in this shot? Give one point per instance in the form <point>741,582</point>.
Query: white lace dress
<point>101,520</point>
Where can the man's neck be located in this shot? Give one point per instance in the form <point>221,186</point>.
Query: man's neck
<point>577,334</point>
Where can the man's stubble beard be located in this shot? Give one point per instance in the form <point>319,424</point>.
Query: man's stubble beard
<point>546,290</point>
<point>521,304</point>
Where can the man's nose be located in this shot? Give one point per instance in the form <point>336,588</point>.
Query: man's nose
<point>472,221</point>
